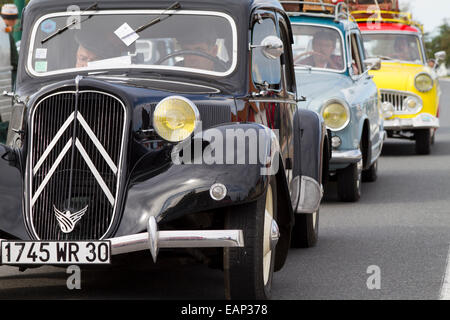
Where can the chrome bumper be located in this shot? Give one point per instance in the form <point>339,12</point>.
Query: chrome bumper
<point>422,121</point>
<point>153,240</point>
<point>343,157</point>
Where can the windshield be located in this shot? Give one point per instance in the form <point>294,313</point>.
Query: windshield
<point>318,47</point>
<point>202,42</point>
<point>393,47</point>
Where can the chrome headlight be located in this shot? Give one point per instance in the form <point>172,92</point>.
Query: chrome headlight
<point>412,104</point>
<point>387,109</point>
<point>424,82</point>
<point>336,115</point>
<point>175,118</point>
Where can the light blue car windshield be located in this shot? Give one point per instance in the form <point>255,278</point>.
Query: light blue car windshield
<point>318,47</point>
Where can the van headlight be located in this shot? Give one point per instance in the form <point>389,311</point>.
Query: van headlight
<point>175,118</point>
<point>336,115</point>
<point>424,82</point>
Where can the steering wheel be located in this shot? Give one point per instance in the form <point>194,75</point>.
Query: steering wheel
<point>315,53</point>
<point>216,60</point>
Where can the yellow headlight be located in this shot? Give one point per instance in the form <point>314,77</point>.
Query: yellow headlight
<point>424,82</point>
<point>336,116</point>
<point>175,118</point>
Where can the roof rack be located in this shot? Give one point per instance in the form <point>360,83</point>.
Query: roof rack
<point>319,8</point>
<point>386,16</point>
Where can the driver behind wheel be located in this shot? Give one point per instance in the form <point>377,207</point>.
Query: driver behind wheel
<point>322,56</point>
<point>204,43</point>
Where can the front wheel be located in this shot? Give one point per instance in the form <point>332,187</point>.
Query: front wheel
<point>349,182</point>
<point>248,271</point>
<point>423,141</point>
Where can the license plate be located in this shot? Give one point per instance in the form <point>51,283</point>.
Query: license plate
<point>55,252</point>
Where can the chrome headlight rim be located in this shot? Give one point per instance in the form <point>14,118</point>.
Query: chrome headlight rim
<point>423,74</point>
<point>194,109</point>
<point>417,108</point>
<point>347,110</point>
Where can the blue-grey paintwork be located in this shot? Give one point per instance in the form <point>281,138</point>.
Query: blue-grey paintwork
<point>359,93</point>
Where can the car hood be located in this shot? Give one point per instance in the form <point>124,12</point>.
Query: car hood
<point>318,87</point>
<point>398,76</point>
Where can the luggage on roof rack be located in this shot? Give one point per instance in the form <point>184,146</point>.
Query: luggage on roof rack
<point>330,8</point>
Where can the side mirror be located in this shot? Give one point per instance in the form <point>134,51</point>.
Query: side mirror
<point>271,46</point>
<point>440,56</point>
<point>373,63</point>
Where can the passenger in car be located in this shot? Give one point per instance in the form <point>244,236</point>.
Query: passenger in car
<point>322,56</point>
<point>89,49</point>
<point>402,52</point>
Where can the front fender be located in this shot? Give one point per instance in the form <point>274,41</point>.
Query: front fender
<point>11,218</point>
<point>183,188</point>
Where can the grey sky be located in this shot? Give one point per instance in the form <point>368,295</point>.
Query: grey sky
<point>431,13</point>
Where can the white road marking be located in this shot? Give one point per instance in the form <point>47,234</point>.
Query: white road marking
<point>445,290</point>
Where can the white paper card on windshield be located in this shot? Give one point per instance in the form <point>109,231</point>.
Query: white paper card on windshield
<point>126,34</point>
<point>41,53</point>
<point>107,63</point>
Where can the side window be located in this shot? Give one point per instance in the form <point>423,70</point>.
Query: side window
<point>263,68</point>
<point>356,57</point>
<point>287,56</point>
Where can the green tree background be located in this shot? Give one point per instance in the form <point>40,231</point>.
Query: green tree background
<point>441,42</point>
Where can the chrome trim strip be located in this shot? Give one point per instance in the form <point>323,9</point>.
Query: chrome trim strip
<point>178,239</point>
<point>29,67</point>
<point>349,156</point>
<point>412,123</point>
<point>51,171</point>
<point>97,143</point>
<point>273,101</point>
<point>95,172</point>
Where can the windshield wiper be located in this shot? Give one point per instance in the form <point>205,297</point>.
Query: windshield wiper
<point>174,6</point>
<point>61,30</point>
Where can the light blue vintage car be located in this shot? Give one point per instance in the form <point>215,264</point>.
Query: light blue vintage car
<point>332,76</point>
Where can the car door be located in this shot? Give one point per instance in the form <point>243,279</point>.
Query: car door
<point>365,96</point>
<point>269,97</point>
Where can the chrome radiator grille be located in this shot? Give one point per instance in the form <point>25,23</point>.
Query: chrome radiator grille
<point>396,98</point>
<point>74,169</point>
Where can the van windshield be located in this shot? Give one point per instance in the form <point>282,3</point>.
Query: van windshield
<point>185,41</point>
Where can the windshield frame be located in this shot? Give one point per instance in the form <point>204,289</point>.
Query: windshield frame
<point>30,70</point>
<point>416,34</point>
<point>343,46</point>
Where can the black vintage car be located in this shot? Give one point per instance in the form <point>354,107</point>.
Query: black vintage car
<point>142,125</point>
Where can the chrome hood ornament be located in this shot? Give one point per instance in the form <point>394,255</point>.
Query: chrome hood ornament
<point>67,220</point>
